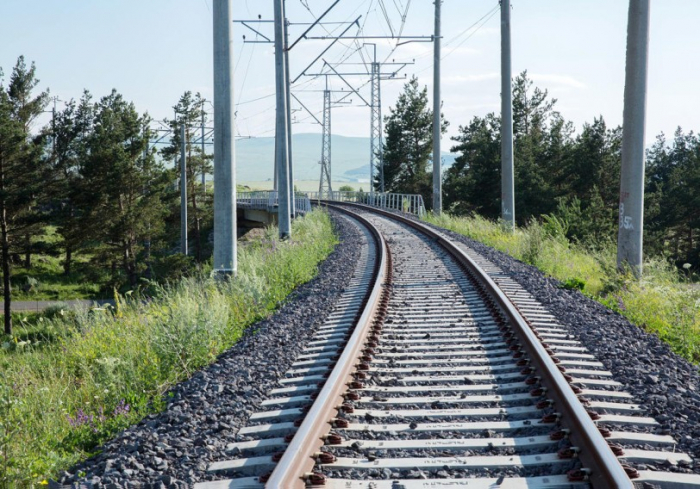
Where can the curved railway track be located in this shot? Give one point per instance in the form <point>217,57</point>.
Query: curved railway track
<point>437,370</point>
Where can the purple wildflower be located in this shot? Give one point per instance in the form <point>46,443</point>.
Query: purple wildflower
<point>121,409</point>
<point>81,418</point>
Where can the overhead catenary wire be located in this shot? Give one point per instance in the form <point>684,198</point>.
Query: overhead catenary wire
<point>351,48</point>
<point>403,24</point>
<point>386,17</point>
<point>490,15</point>
<point>480,23</point>
<point>247,69</point>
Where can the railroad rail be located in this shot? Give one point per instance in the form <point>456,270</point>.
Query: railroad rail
<point>437,370</point>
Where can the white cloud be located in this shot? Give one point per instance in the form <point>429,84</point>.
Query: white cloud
<point>563,80</point>
<point>459,51</point>
<point>418,50</point>
<point>455,79</point>
<point>488,31</point>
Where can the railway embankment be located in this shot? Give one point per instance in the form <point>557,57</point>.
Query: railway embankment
<point>665,302</point>
<point>202,424</point>
<point>75,380</point>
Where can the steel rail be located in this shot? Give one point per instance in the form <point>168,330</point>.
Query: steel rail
<point>299,457</point>
<point>595,454</point>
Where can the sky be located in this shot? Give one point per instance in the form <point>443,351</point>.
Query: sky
<point>154,50</point>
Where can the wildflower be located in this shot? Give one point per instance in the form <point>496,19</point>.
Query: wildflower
<point>121,409</point>
<point>81,418</point>
<point>687,266</point>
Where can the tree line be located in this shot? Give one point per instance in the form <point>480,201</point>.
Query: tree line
<point>573,177</point>
<point>93,174</point>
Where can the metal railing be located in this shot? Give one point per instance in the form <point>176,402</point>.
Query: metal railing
<point>408,203</point>
<point>267,200</point>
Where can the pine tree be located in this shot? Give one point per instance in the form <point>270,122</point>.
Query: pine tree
<point>473,183</point>
<point>26,108</point>
<point>22,167</point>
<point>189,111</point>
<point>673,178</point>
<point>124,207</point>
<point>71,130</point>
<point>542,139</point>
<point>408,143</point>
<point>539,133</point>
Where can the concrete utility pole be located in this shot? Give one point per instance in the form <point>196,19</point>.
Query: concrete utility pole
<point>507,178</point>
<point>288,88</point>
<point>437,159</point>
<point>281,138</point>
<point>204,173</point>
<point>225,260</point>
<point>629,238</point>
<point>183,190</point>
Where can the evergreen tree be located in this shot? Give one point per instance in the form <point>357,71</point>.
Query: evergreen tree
<point>541,142</point>
<point>408,143</point>
<point>26,108</point>
<point>595,161</point>
<point>473,183</point>
<point>673,177</point>
<point>123,208</point>
<point>22,168</point>
<point>590,183</point>
<point>71,131</point>
<point>534,118</point>
<point>189,111</point>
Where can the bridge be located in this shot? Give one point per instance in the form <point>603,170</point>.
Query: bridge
<point>261,208</point>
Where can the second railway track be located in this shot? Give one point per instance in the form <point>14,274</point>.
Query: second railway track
<point>437,370</point>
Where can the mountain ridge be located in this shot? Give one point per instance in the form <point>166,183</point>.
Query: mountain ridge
<point>349,158</point>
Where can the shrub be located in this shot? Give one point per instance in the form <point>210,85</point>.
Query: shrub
<point>108,367</point>
<point>663,302</point>
<point>573,283</point>
<point>56,310</point>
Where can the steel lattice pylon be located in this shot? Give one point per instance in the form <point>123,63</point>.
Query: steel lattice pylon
<point>375,136</point>
<point>324,184</point>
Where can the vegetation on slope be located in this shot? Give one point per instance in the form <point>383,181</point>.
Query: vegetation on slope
<point>664,302</point>
<point>573,175</point>
<point>71,380</point>
<point>566,201</point>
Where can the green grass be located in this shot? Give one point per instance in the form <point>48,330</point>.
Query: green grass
<point>664,302</point>
<point>51,283</point>
<point>45,279</point>
<point>70,380</point>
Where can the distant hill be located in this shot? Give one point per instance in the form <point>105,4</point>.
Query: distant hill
<point>349,158</point>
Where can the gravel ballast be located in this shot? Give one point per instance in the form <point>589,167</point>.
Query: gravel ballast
<point>665,384</point>
<point>173,449</point>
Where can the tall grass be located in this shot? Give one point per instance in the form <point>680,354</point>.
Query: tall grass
<point>664,302</point>
<point>79,378</point>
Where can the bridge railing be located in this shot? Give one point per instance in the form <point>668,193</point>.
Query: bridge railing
<point>268,201</point>
<point>409,203</point>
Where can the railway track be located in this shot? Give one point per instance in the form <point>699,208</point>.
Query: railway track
<point>437,370</point>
